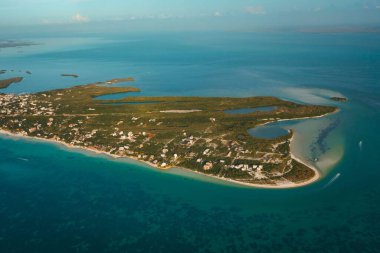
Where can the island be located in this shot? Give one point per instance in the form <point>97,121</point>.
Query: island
<point>193,133</point>
<point>7,82</point>
<point>120,80</point>
<point>70,75</point>
<point>13,43</point>
<point>339,99</point>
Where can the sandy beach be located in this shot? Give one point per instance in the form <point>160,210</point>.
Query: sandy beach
<point>285,185</point>
<point>113,156</point>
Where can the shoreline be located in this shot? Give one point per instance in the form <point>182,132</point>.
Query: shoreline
<point>153,166</point>
<point>310,117</point>
<point>231,182</point>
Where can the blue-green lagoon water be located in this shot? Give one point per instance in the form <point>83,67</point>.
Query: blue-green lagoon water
<point>57,200</point>
<point>251,110</point>
<point>269,131</point>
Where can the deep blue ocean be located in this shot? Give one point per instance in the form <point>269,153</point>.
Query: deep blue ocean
<point>57,200</point>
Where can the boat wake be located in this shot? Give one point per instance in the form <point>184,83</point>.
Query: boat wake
<point>23,159</point>
<point>332,180</point>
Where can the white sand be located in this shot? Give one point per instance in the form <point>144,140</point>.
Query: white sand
<point>280,185</point>
<point>180,111</point>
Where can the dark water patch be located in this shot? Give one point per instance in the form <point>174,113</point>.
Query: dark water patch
<point>251,110</point>
<point>319,146</point>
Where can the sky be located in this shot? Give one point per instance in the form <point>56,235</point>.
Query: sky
<point>194,14</point>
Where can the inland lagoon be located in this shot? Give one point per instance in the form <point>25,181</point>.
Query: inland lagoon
<point>251,110</point>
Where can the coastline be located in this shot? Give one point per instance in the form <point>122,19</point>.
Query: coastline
<point>151,165</point>
<point>231,182</point>
<point>311,117</point>
<point>312,180</point>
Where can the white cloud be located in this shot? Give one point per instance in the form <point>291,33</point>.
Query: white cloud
<point>255,10</point>
<point>78,18</point>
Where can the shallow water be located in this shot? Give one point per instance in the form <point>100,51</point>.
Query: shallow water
<point>56,200</point>
<point>269,131</point>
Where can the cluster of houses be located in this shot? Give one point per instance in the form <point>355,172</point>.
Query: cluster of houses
<point>24,104</point>
<point>188,141</point>
<point>128,143</point>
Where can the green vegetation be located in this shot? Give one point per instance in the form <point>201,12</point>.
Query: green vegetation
<point>7,82</point>
<point>190,132</point>
<point>339,99</point>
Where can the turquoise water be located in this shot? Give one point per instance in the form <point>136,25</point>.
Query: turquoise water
<point>56,200</point>
<point>251,110</point>
<point>268,131</point>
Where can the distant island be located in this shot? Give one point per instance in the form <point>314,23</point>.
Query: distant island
<point>120,80</point>
<point>70,75</point>
<point>339,99</point>
<point>14,43</point>
<point>7,82</point>
<point>194,133</point>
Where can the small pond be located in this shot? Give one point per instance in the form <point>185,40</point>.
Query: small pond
<point>251,110</point>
